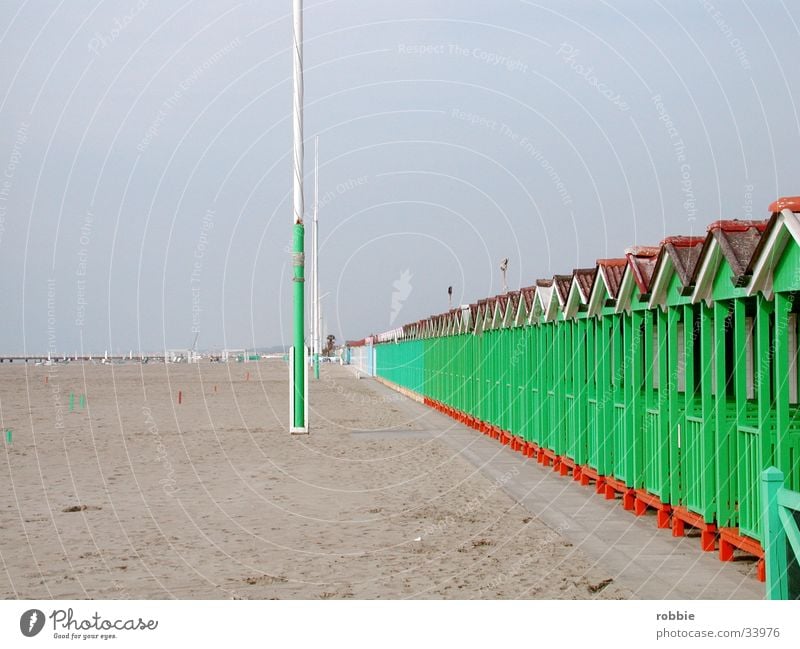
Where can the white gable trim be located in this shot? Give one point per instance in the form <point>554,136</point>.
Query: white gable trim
<point>521,317</point>
<point>787,224</point>
<point>553,307</point>
<point>625,290</point>
<point>707,272</point>
<point>538,308</point>
<point>573,299</point>
<point>598,290</point>
<point>660,284</point>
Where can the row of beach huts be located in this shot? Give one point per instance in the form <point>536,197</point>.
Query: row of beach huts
<point>667,377</point>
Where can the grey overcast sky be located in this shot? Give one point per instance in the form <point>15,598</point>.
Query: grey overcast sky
<point>146,179</point>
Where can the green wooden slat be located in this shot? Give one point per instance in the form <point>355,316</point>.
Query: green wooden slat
<point>725,467</point>
<point>790,530</point>
<point>789,499</point>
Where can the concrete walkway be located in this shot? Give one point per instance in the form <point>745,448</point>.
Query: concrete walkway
<point>648,561</point>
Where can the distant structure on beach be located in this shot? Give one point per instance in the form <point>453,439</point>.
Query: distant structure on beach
<point>178,355</point>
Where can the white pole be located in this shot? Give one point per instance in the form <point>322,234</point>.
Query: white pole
<point>313,323</point>
<point>315,311</point>
<point>297,108</point>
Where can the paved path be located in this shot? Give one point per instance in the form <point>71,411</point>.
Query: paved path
<point>650,562</point>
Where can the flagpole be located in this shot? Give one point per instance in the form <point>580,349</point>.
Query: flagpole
<point>298,383</point>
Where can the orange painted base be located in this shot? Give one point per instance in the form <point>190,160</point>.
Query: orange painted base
<point>708,531</point>
<point>564,465</point>
<point>546,456</point>
<point>588,474</point>
<point>730,540</point>
<point>645,500</point>
<point>614,487</point>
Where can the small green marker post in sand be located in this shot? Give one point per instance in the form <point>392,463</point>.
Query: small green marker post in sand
<point>8,436</point>
<point>82,401</point>
<point>71,401</point>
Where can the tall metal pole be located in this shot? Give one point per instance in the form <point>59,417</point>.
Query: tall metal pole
<point>315,311</point>
<point>313,307</point>
<point>298,423</point>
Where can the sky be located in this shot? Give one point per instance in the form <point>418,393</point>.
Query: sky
<point>145,154</point>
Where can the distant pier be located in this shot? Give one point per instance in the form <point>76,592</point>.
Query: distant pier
<point>140,358</point>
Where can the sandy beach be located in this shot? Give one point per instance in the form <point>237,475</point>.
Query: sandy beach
<point>136,496</point>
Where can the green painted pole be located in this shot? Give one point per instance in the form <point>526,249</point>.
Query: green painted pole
<point>71,401</point>
<point>82,401</point>
<point>8,436</point>
<point>299,326</point>
<point>774,535</point>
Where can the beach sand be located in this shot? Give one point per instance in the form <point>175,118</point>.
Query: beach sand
<point>135,496</point>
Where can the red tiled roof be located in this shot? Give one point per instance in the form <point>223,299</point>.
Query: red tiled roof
<point>528,294</point>
<point>738,241</point>
<point>682,241</point>
<point>642,262</point>
<point>786,203</point>
<point>642,251</point>
<point>585,278</point>
<point>736,225</point>
<point>613,269</point>
<point>685,253</point>
<point>562,284</point>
